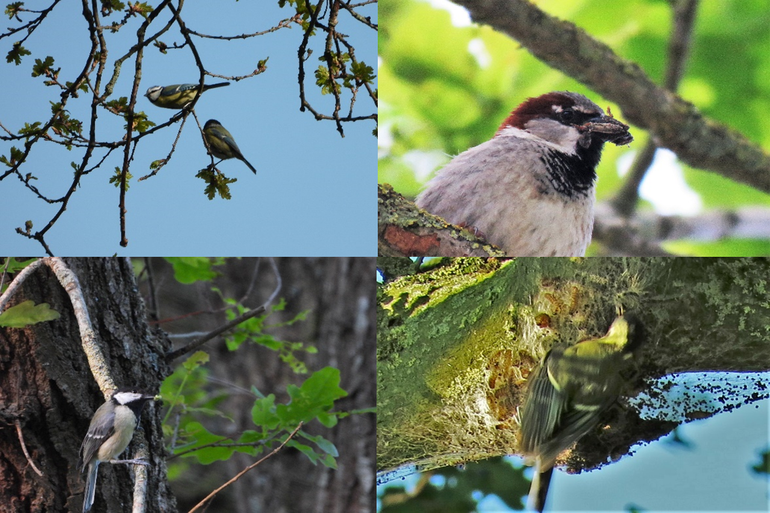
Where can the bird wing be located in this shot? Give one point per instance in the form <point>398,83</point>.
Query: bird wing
<point>95,436</point>
<point>177,88</point>
<point>228,139</point>
<point>542,411</point>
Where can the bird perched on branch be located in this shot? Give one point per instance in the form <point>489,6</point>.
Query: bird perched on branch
<point>221,144</point>
<point>530,189</point>
<point>568,394</point>
<point>109,433</point>
<point>178,95</point>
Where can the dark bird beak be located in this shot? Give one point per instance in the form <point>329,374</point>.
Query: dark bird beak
<point>607,129</point>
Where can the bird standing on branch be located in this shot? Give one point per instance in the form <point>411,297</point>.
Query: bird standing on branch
<point>221,144</point>
<point>530,189</point>
<point>178,95</point>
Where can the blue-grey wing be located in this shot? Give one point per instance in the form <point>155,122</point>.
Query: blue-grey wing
<point>177,88</point>
<point>97,433</point>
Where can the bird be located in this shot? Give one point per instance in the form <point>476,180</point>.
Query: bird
<point>221,144</point>
<point>178,95</point>
<point>109,433</point>
<point>568,394</point>
<point>530,189</point>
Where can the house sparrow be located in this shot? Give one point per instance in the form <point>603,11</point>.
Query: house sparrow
<point>530,189</point>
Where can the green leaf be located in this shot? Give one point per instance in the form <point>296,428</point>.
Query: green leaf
<point>314,397</point>
<point>328,420</point>
<point>27,313</point>
<point>16,53</point>
<point>30,130</point>
<point>323,79</point>
<point>63,124</point>
<point>217,183</point>
<point>329,461</point>
<point>117,106</point>
<point>202,436</point>
<point>143,9</point>
<point>189,270</point>
<point>195,360</point>
<point>14,265</point>
<point>13,9</point>
<point>16,156</point>
<point>141,123</point>
<point>322,443</point>
<point>305,449</point>
<point>115,179</point>
<point>251,437</point>
<point>263,413</point>
<point>111,5</point>
<point>43,68</point>
<point>363,72</point>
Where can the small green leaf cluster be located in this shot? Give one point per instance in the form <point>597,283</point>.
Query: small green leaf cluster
<point>361,73</point>
<point>217,183</point>
<point>273,422</point>
<point>252,330</point>
<point>115,179</point>
<point>16,156</point>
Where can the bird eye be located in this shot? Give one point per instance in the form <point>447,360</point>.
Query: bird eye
<point>567,116</point>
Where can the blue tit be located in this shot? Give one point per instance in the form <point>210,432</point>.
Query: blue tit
<point>568,394</point>
<point>221,143</point>
<point>178,95</point>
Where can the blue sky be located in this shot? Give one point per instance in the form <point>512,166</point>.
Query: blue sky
<point>314,191</point>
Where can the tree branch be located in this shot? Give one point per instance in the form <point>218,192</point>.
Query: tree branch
<point>405,230</point>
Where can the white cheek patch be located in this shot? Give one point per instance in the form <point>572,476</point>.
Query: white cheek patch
<point>548,132</point>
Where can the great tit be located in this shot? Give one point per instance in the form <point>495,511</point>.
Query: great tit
<point>221,143</point>
<point>568,394</point>
<point>178,95</point>
<point>110,432</point>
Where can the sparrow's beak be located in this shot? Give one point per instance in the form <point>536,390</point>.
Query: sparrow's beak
<point>607,129</point>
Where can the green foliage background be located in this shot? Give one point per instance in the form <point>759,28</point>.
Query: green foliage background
<point>439,100</point>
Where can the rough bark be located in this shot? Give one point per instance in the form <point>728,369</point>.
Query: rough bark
<point>405,230</point>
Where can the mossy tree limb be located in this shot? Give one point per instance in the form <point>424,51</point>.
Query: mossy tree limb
<point>456,344</point>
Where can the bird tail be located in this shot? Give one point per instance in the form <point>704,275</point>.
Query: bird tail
<point>250,166</point>
<point>88,498</point>
<point>538,490</point>
<point>213,86</point>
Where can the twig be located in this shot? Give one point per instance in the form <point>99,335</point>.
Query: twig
<point>242,472</point>
<point>140,480</point>
<point>24,448</point>
<point>227,327</point>
<point>626,200</point>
